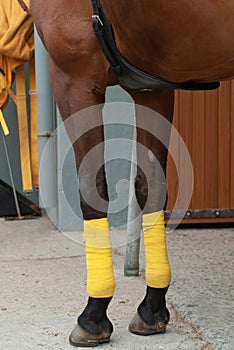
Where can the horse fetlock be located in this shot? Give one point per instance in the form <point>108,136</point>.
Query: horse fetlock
<point>153,308</point>
<point>152,314</point>
<point>94,319</point>
<point>93,326</point>
<point>161,317</point>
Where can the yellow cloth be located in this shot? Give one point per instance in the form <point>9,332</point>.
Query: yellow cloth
<point>16,32</point>
<point>3,123</point>
<point>16,48</point>
<point>158,273</point>
<point>100,275</point>
<point>16,42</point>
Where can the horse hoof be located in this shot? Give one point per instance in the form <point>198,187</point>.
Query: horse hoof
<point>138,326</point>
<point>81,338</point>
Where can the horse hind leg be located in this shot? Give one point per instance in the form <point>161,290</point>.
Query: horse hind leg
<point>74,95</point>
<point>152,314</point>
<point>93,326</point>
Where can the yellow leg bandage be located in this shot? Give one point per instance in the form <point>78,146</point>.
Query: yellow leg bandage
<point>158,273</point>
<point>100,275</point>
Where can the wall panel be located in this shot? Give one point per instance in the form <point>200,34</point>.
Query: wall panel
<point>205,120</point>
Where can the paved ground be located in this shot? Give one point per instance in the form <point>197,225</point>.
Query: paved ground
<point>43,289</point>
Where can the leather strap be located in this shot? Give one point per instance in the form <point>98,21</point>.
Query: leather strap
<point>128,75</point>
<point>96,6</point>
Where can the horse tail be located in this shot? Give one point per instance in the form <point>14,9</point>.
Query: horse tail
<point>24,6</point>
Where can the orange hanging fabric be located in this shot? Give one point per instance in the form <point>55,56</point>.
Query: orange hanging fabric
<point>16,48</point>
<point>5,84</point>
<point>23,129</point>
<point>33,122</point>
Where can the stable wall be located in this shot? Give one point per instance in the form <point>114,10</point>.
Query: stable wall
<point>205,120</point>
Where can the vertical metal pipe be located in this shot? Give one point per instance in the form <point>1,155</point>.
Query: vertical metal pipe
<point>131,264</point>
<point>46,126</point>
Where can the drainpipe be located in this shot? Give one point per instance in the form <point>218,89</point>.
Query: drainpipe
<point>131,264</point>
<point>46,125</point>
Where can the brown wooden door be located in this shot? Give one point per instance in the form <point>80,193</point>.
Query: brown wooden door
<point>205,120</point>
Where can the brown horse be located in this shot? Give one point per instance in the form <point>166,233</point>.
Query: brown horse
<point>189,43</point>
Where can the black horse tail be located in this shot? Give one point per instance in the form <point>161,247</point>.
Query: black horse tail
<point>24,6</point>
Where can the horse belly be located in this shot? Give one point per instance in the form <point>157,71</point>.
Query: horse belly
<point>177,40</point>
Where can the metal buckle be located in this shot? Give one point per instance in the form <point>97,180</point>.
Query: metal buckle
<point>98,18</point>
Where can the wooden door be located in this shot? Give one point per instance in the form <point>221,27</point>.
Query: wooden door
<point>205,120</point>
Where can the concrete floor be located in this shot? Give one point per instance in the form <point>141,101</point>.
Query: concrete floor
<point>43,289</point>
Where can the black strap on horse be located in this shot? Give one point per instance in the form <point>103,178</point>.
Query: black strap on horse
<point>129,76</point>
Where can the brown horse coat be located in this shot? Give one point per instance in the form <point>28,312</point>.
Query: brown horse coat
<point>175,40</point>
